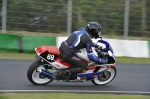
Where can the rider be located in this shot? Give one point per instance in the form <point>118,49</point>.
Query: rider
<point>76,41</point>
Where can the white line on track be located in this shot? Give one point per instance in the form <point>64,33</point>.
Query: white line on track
<point>76,91</point>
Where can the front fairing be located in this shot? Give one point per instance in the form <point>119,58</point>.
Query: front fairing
<point>108,48</point>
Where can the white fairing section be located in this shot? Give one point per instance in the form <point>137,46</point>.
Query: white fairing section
<point>91,71</point>
<point>101,44</point>
<point>58,65</point>
<point>110,53</point>
<point>83,54</point>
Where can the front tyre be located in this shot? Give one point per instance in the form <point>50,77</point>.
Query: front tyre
<point>103,79</point>
<point>34,76</point>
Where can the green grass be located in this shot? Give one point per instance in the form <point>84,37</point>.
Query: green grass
<point>68,96</point>
<point>133,60</point>
<point>15,55</point>
<point>31,56</point>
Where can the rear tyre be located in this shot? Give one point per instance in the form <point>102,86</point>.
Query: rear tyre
<point>35,77</point>
<point>103,80</point>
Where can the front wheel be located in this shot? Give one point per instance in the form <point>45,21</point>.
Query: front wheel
<point>34,76</point>
<point>105,77</point>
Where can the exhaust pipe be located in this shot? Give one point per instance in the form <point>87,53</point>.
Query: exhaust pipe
<point>45,73</point>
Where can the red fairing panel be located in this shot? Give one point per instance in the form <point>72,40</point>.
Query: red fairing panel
<point>93,68</point>
<point>63,63</point>
<point>50,49</point>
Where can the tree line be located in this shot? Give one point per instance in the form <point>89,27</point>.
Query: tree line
<point>51,16</point>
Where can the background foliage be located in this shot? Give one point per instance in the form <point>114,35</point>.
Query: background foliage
<point>51,15</point>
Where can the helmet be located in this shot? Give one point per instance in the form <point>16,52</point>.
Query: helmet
<point>94,29</point>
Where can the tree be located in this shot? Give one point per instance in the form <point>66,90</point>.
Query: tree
<point>144,15</point>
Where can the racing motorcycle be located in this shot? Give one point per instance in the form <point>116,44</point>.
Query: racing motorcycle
<point>48,63</point>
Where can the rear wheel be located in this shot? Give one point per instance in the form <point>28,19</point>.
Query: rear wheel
<point>34,76</point>
<point>105,77</point>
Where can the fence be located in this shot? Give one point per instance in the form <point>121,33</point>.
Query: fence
<point>24,43</point>
<point>29,43</point>
<point>52,16</point>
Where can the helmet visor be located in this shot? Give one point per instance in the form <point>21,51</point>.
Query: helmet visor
<point>99,33</point>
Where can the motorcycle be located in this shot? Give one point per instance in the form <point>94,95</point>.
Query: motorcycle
<point>48,63</point>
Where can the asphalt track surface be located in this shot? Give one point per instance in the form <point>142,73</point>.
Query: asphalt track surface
<point>130,79</point>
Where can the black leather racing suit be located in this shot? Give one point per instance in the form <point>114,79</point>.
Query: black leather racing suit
<point>76,41</point>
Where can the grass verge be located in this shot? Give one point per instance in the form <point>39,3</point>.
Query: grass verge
<point>31,56</point>
<point>15,55</point>
<point>133,60</point>
<point>68,96</point>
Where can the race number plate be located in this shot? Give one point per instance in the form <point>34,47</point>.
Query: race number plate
<point>49,57</point>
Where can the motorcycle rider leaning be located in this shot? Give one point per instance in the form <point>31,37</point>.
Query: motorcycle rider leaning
<point>76,41</point>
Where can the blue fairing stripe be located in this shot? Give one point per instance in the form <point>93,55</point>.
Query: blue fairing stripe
<point>93,57</point>
<point>104,42</point>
